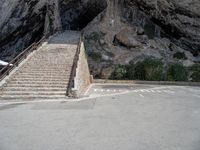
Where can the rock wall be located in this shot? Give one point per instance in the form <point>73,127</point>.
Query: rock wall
<point>180,19</point>
<point>22,23</point>
<point>142,29</point>
<point>161,28</point>
<point>26,21</point>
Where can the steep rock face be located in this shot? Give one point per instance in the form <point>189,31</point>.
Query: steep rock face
<point>178,18</point>
<point>26,21</point>
<point>22,22</point>
<point>164,28</point>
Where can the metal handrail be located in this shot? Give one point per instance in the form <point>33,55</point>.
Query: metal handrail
<point>74,66</point>
<point>5,71</point>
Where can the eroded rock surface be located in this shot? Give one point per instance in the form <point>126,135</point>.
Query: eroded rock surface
<point>127,31</point>
<point>26,21</point>
<point>180,19</point>
<point>164,28</point>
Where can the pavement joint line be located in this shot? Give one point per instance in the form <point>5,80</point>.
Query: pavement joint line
<point>88,89</point>
<point>81,99</point>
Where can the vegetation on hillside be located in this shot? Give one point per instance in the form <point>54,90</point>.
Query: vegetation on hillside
<point>177,72</point>
<point>180,55</point>
<point>153,70</point>
<point>148,69</point>
<point>195,72</point>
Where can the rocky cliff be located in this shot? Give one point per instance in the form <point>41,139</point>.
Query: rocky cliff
<point>134,30</point>
<point>26,21</point>
<point>22,22</point>
<point>178,18</point>
<point>123,31</point>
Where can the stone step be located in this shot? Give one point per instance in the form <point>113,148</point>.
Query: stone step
<point>32,93</point>
<point>41,79</point>
<point>38,82</point>
<point>32,97</point>
<point>45,68</point>
<point>19,76</point>
<point>58,76</point>
<point>34,89</point>
<point>62,60</point>
<point>33,85</point>
<point>43,72</point>
<point>33,68</point>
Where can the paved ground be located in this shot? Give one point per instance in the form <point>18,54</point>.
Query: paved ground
<point>148,118</point>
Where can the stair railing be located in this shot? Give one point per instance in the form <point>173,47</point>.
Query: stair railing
<point>73,70</point>
<point>5,71</point>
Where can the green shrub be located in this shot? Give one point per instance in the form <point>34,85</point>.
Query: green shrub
<point>196,76</point>
<point>195,69</point>
<point>154,69</point>
<point>95,36</point>
<point>119,73</point>
<point>88,48</point>
<point>96,56</point>
<point>138,72</point>
<point>180,55</point>
<point>177,72</point>
<point>149,69</point>
<point>130,71</point>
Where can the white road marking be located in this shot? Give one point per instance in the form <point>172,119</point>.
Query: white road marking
<point>158,91</point>
<point>141,95</point>
<point>147,91</point>
<point>168,91</point>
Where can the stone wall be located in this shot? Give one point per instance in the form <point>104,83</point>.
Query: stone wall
<point>82,79</point>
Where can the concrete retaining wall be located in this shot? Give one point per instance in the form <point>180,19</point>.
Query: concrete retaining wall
<point>82,79</point>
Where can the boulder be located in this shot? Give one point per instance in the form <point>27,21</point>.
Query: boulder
<point>126,37</point>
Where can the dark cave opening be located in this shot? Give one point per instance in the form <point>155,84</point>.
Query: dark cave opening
<point>80,14</point>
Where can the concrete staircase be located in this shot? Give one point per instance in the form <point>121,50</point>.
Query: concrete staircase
<point>45,74</point>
